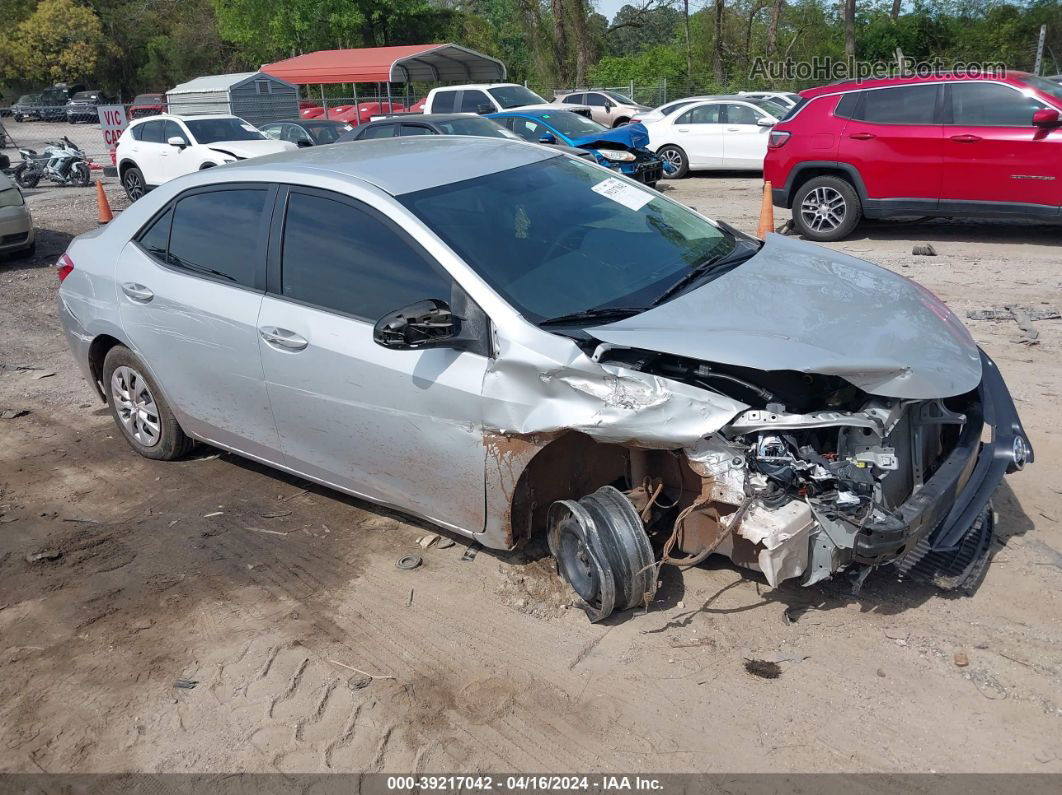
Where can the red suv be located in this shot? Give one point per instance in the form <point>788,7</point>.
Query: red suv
<point>918,146</point>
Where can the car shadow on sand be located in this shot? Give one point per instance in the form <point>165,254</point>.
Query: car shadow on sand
<point>943,230</point>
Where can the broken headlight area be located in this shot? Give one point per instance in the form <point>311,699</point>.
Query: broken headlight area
<point>814,478</point>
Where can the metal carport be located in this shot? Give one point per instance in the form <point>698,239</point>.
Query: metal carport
<point>438,63</point>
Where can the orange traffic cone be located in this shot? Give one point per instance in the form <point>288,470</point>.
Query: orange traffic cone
<point>766,212</point>
<point>106,216</point>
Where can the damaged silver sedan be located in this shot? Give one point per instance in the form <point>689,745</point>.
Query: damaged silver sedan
<point>512,343</point>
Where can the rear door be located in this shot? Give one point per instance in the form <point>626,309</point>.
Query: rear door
<point>191,287</point>
<point>895,141</point>
<point>400,427</point>
<point>378,131</point>
<point>744,140</point>
<point>993,153</point>
<point>416,129</point>
<point>151,152</point>
<point>699,131</point>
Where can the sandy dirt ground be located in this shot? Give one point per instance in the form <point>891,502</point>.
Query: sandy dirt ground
<point>209,614</point>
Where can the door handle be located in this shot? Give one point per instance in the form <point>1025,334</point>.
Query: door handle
<point>733,129</point>
<point>683,129</point>
<point>862,136</point>
<point>282,338</point>
<point>966,138</point>
<point>137,292</point>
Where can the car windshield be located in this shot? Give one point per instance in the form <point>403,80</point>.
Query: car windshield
<point>326,132</point>
<point>474,125</point>
<point>667,110</point>
<point>561,236</point>
<point>82,95</point>
<point>619,98</point>
<point>209,131</point>
<point>515,96</point>
<point>572,124</point>
<point>1049,87</point>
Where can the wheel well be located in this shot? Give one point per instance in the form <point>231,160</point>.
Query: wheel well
<point>621,120</point>
<point>124,166</point>
<point>206,166</point>
<point>818,171</point>
<point>98,351</point>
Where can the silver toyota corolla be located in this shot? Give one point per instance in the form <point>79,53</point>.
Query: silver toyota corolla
<point>510,342</point>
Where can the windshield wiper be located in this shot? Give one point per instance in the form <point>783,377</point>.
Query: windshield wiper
<point>600,313</point>
<point>741,251</point>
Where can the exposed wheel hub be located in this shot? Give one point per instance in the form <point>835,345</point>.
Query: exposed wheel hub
<point>602,551</point>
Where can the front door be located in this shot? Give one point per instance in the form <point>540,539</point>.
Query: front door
<point>400,427</point>
<point>994,154</point>
<point>744,140</point>
<point>699,131</point>
<point>190,290</point>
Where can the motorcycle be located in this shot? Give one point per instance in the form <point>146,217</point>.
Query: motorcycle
<point>61,162</point>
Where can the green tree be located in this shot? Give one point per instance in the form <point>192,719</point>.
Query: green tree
<point>60,41</point>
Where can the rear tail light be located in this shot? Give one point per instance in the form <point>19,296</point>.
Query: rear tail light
<point>777,138</point>
<point>64,267</point>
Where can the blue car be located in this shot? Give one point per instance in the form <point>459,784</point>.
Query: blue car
<point>623,149</point>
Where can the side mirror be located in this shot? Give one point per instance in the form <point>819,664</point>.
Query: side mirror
<point>177,141</point>
<point>548,138</point>
<point>1046,117</point>
<point>484,109</point>
<point>425,324</point>
<point>302,143</point>
<point>763,122</point>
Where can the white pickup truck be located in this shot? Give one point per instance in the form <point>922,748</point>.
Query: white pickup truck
<point>491,98</point>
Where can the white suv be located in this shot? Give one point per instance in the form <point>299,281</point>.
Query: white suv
<point>159,148</point>
<point>491,98</point>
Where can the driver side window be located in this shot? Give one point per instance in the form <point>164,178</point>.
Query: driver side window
<point>527,129</point>
<point>702,114</point>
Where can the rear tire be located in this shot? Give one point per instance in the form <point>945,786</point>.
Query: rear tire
<point>675,157</point>
<point>82,177</point>
<point>826,209</point>
<point>133,182</point>
<point>139,409</point>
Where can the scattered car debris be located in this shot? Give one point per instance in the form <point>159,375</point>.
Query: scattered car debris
<point>409,561</point>
<point>276,514</point>
<point>5,367</point>
<point>763,669</point>
<point>10,414</point>
<point>424,542</point>
<point>445,543</point>
<point>186,684</point>
<point>1022,315</point>
<point>43,555</point>
<point>211,515</point>
<point>961,659</point>
<point>470,552</point>
<point>924,251</point>
<point>47,374</point>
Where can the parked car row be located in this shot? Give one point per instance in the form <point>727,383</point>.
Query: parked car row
<point>58,103</point>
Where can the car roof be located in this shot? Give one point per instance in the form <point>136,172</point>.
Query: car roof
<point>841,86</point>
<point>473,85</point>
<point>193,117</point>
<point>536,112</point>
<point>401,165</point>
<point>425,117</point>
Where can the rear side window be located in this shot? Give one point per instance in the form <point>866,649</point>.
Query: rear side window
<point>444,102</point>
<point>156,239</point>
<point>976,104</point>
<point>847,106</point>
<point>379,131</point>
<point>217,234</point>
<point>741,114</point>
<point>596,100</point>
<point>350,260</point>
<point>574,99</point>
<point>416,129</point>
<point>901,105</point>
<point>151,132</point>
<point>473,101</point>
<point>703,114</point>
<point>137,132</point>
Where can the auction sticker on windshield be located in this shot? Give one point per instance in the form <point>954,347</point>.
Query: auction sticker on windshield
<point>619,191</point>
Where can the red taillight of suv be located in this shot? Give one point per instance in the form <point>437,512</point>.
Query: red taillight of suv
<point>64,267</point>
<point>777,138</point>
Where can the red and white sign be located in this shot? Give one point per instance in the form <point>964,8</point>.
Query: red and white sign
<point>112,122</point>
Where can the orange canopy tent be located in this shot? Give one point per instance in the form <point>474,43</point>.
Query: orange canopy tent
<point>436,63</point>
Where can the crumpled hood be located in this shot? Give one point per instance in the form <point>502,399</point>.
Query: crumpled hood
<point>244,149</point>
<point>632,136</point>
<point>798,306</point>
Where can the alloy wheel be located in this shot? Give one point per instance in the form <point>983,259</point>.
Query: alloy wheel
<point>135,406</point>
<point>672,158</point>
<point>133,186</point>
<point>823,209</point>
